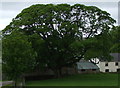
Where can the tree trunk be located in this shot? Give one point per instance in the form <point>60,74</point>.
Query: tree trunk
<point>15,84</point>
<point>58,73</point>
<point>19,83</point>
<point>23,81</point>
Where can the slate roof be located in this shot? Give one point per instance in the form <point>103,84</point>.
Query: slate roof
<point>116,56</point>
<point>86,65</point>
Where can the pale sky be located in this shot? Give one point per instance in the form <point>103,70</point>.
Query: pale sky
<point>10,8</point>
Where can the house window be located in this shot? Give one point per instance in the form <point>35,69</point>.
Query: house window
<point>93,69</point>
<point>82,69</point>
<point>106,70</point>
<point>106,64</point>
<point>116,64</point>
<point>118,70</point>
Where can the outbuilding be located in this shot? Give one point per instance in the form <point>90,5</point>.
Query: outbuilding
<point>87,67</point>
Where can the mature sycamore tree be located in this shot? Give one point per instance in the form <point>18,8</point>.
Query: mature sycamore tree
<point>63,34</point>
<point>18,57</point>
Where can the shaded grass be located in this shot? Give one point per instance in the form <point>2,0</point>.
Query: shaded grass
<point>99,79</point>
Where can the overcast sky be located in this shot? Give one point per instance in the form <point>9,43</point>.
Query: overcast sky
<point>9,10</point>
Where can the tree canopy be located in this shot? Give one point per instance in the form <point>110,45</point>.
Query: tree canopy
<point>115,40</point>
<point>63,34</point>
<point>18,56</point>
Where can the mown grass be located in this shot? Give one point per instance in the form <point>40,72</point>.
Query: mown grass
<point>99,79</point>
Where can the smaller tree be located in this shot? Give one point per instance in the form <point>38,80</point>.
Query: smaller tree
<point>18,56</point>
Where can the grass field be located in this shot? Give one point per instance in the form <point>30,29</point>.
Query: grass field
<point>99,79</point>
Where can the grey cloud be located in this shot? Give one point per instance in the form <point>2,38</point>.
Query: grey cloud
<point>10,9</point>
<point>19,6</point>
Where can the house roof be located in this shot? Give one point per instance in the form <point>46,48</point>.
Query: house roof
<point>116,56</point>
<point>86,65</point>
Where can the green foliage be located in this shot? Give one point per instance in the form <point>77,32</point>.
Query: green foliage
<point>18,56</point>
<point>63,34</point>
<point>115,40</point>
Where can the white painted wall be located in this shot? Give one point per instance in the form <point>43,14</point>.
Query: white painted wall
<point>111,66</point>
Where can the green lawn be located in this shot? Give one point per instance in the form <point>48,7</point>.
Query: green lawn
<point>99,79</point>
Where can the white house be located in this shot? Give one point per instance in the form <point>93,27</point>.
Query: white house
<point>112,66</point>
